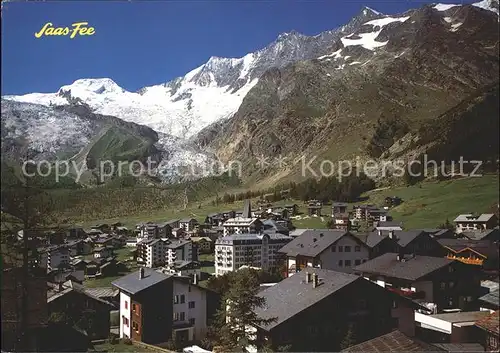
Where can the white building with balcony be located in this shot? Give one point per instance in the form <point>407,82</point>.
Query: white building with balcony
<point>257,250</point>
<point>160,252</point>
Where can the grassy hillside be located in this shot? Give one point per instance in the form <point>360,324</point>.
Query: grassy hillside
<point>425,205</point>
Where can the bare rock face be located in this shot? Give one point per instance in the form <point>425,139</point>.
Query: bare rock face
<point>412,68</point>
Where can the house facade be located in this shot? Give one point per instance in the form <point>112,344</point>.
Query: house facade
<point>325,248</point>
<point>156,307</point>
<point>53,257</point>
<point>441,283</point>
<point>470,222</point>
<point>490,338</point>
<point>188,224</point>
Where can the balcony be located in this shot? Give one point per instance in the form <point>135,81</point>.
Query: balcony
<point>467,260</point>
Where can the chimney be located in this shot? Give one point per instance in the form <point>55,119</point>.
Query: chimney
<point>391,234</point>
<point>315,280</point>
<point>141,273</point>
<point>195,279</point>
<point>379,233</point>
<point>308,277</point>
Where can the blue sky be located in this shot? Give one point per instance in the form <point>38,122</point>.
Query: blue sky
<point>141,43</point>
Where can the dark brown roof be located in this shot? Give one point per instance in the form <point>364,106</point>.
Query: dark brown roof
<point>413,268</point>
<point>490,323</point>
<point>395,341</point>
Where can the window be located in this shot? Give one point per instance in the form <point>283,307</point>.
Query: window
<point>394,304</point>
<point>125,321</point>
<point>176,316</point>
<point>135,326</point>
<point>357,248</point>
<point>126,304</point>
<point>443,285</point>
<point>189,288</point>
<point>183,299</point>
<point>334,248</point>
<point>176,299</point>
<point>452,284</point>
<point>192,321</point>
<point>364,260</point>
<point>347,263</point>
<point>347,248</point>
<point>492,343</point>
<point>357,262</point>
<point>340,263</point>
<point>182,316</point>
<point>341,249</point>
<point>191,305</point>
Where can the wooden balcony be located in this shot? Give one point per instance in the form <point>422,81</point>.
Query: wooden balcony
<point>467,260</point>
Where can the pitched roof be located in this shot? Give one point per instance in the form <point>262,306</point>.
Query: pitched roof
<point>481,234</point>
<point>492,298</point>
<point>292,295</point>
<point>411,269</point>
<point>370,239</point>
<point>481,247</point>
<point>490,323</point>
<point>312,242</point>
<point>132,284</point>
<point>395,341</point>
<point>472,218</point>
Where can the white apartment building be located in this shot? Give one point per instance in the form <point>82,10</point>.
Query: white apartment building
<point>257,250</point>
<point>159,252</point>
<point>241,225</point>
<point>54,256</point>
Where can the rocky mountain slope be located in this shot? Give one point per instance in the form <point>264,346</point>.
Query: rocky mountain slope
<point>410,68</point>
<point>327,95</point>
<point>209,93</point>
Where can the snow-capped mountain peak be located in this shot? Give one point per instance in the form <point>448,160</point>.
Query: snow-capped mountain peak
<point>366,10</point>
<point>95,85</point>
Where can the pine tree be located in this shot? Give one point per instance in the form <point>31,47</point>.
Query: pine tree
<point>237,313</point>
<point>350,338</point>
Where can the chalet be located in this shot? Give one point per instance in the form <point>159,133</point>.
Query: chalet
<point>205,244</point>
<point>314,210</point>
<point>79,247</point>
<point>490,332</point>
<point>61,276</point>
<point>293,209</point>
<point>178,233</point>
<point>273,226</point>
<point>94,232</point>
<point>173,223</point>
<point>121,230</point>
<point>441,283</point>
<point>451,328</point>
<point>407,242</point>
<point>103,242</point>
<point>490,301</point>
<point>325,248</point>
<point>393,201</point>
<point>341,221</point>
<point>280,212</point>
<point>473,252</point>
<point>489,234</point>
<point>115,225</point>
<point>339,207</point>
<point>191,269</point>
<point>156,307</point>
<point>215,219</point>
<point>229,214</point>
<point>188,224</point>
<point>361,212</point>
<point>314,310</point>
<point>72,299</point>
<point>98,267</point>
<point>470,222</point>
<point>104,252</point>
